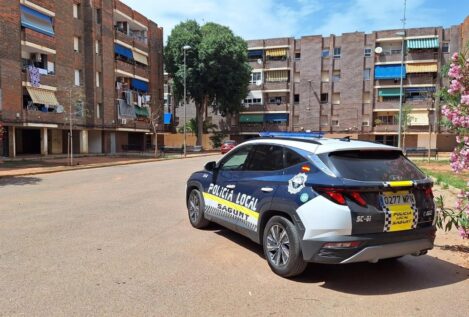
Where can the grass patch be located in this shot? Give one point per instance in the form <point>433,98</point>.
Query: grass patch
<point>446,178</point>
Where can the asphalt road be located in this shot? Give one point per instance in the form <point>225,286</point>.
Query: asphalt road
<point>116,241</point>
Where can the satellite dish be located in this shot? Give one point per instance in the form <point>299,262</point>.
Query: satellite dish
<point>258,82</point>
<point>259,61</point>
<point>378,50</point>
<point>59,109</point>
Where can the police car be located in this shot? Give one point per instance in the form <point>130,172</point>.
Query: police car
<point>312,199</point>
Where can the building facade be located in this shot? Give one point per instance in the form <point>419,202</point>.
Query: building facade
<point>349,85</point>
<point>95,66</point>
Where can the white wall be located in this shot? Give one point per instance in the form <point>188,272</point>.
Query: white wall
<point>95,144</point>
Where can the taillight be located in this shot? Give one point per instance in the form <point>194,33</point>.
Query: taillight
<point>338,196</point>
<point>429,193</point>
<point>340,245</point>
<point>356,197</point>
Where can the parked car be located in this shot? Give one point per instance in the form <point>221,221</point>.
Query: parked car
<point>318,200</point>
<point>227,146</point>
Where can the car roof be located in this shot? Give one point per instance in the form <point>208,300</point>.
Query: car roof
<point>323,145</point>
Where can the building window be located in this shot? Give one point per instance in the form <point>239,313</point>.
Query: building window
<point>366,97</point>
<point>337,52</point>
<point>76,10</point>
<point>445,48</point>
<point>98,110</point>
<point>336,98</point>
<point>324,98</point>
<point>277,100</point>
<point>387,139</point>
<point>325,53</point>
<point>366,123</point>
<point>98,16</point>
<point>77,77</point>
<point>325,76</point>
<point>367,73</point>
<point>297,56</point>
<point>336,75</point>
<point>98,49</point>
<point>256,78</point>
<point>76,44</point>
<point>335,123</point>
<point>324,121</point>
<point>98,79</point>
<point>296,98</point>
<point>367,52</point>
<point>252,101</point>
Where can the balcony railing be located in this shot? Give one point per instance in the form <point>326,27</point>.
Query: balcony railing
<point>260,127</point>
<point>131,39</point>
<point>410,56</point>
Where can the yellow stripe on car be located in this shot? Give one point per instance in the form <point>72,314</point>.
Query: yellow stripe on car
<point>400,184</point>
<point>233,205</point>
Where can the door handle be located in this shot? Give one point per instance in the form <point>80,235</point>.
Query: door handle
<point>267,189</point>
<point>231,186</point>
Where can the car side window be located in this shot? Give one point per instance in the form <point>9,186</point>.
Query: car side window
<point>236,160</point>
<point>292,158</point>
<point>265,157</point>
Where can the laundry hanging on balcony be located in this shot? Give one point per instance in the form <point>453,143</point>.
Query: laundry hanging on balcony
<point>34,76</point>
<point>125,110</point>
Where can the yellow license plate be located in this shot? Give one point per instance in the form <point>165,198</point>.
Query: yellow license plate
<point>400,211</point>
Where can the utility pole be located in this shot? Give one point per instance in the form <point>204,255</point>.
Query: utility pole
<point>185,48</point>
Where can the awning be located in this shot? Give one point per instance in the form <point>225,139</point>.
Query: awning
<point>422,68</point>
<point>389,92</point>
<point>276,75</point>
<point>123,51</point>
<point>418,118</point>
<point>276,117</point>
<point>36,21</point>
<point>431,42</point>
<point>254,94</point>
<point>389,71</point>
<point>140,58</point>
<point>42,96</point>
<point>251,118</point>
<point>256,54</point>
<point>142,112</point>
<point>139,85</point>
<point>167,117</point>
<point>420,89</point>
<point>278,52</point>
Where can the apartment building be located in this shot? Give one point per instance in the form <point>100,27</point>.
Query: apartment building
<point>95,64</point>
<point>350,85</point>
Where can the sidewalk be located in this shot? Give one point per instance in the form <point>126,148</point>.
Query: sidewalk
<point>34,166</point>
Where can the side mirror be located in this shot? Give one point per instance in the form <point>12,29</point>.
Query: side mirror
<point>211,166</point>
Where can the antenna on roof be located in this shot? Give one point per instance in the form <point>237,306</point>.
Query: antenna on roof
<point>404,20</point>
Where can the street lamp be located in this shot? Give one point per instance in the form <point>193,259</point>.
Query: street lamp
<point>402,35</point>
<point>185,48</point>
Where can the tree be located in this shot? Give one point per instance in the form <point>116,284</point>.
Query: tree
<point>191,126</point>
<point>154,124</point>
<point>218,72</point>
<point>406,120</point>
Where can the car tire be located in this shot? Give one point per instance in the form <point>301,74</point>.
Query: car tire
<point>282,249</point>
<point>195,209</point>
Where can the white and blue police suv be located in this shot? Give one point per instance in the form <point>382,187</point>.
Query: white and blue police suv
<point>317,200</point>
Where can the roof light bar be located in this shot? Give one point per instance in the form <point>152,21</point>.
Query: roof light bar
<point>313,134</point>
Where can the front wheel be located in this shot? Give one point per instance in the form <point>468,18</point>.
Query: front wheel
<point>195,208</point>
<point>282,249</point>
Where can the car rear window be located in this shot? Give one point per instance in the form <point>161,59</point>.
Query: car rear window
<point>373,165</point>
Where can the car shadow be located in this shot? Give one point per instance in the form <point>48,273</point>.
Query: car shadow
<point>385,277</point>
<point>19,181</point>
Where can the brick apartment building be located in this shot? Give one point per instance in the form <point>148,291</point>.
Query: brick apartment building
<point>348,85</point>
<point>98,62</point>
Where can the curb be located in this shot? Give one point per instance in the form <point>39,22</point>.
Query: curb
<point>58,169</point>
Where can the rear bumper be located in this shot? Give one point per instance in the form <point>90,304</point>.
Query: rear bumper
<point>373,247</point>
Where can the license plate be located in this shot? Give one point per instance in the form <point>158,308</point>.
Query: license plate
<point>400,211</point>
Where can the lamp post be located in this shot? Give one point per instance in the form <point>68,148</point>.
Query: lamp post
<point>185,48</point>
<point>402,35</point>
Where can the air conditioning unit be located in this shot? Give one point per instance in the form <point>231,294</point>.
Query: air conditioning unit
<point>123,121</point>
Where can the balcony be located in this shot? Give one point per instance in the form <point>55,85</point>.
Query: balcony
<point>277,63</point>
<point>266,107</point>
<point>46,4</point>
<point>276,86</point>
<point>386,128</point>
<point>259,127</point>
<point>47,80</point>
<point>415,103</point>
<point>410,80</point>
<point>141,71</point>
<point>132,40</point>
<point>38,38</point>
<point>255,65</point>
<point>410,56</point>
<point>126,67</point>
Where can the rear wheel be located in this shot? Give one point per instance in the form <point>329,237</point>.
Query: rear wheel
<point>282,250</point>
<point>195,208</point>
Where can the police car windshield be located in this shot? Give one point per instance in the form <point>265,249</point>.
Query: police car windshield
<point>374,166</point>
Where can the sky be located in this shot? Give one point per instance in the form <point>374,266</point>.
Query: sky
<point>260,19</point>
